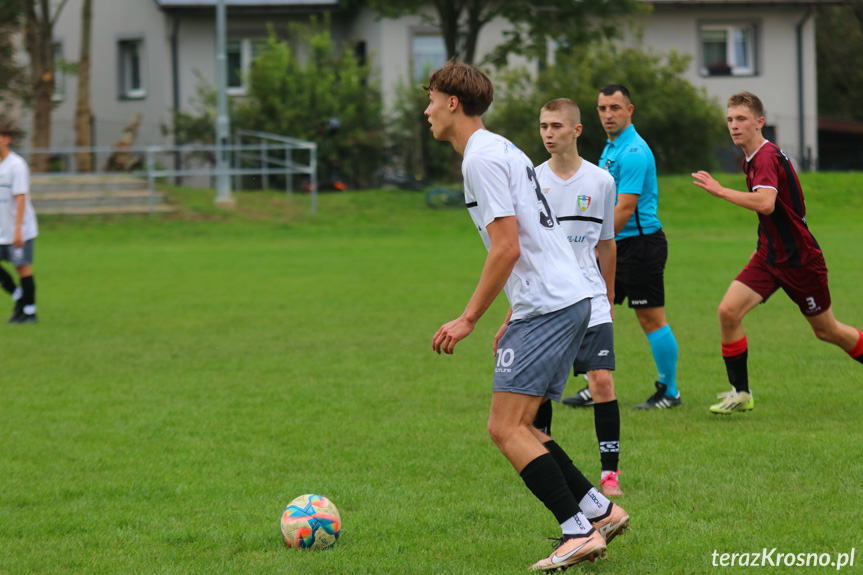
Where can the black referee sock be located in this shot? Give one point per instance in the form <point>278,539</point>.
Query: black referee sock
<point>28,289</point>
<point>542,420</point>
<point>546,481</point>
<point>6,281</point>
<point>577,482</point>
<point>606,417</point>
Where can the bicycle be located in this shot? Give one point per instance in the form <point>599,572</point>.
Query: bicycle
<point>445,198</point>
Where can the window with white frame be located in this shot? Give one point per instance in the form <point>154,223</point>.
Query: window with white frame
<point>728,49</point>
<point>239,55</point>
<point>133,81</point>
<point>428,52</point>
<point>59,74</point>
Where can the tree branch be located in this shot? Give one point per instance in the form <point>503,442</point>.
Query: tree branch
<point>57,13</point>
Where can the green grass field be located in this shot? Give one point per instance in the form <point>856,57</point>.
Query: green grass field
<point>192,373</point>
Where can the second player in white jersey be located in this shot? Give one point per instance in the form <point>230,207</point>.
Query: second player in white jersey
<point>583,198</point>
<point>500,181</point>
<point>584,205</point>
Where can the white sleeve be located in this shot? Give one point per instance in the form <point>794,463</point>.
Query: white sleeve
<point>487,180</point>
<point>20,179</point>
<point>610,193</point>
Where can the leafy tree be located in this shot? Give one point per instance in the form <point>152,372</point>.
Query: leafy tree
<point>839,50</point>
<point>12,76</point>
<point>83,113</point>
<point>328,97</point>
<point>413,150</point>
<point>681,124</point>
<point>568,22</point>
<point>39,22</point>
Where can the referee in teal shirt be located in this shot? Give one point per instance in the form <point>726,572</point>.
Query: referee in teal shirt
<point>642,249</point>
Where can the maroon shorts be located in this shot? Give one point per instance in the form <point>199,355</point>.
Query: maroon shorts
<point>805,285</point>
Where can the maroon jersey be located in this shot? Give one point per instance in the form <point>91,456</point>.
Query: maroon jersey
<point>784,240</point>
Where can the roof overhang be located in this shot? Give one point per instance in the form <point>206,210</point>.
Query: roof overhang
<point>748,3</point>
<point>177,4</point>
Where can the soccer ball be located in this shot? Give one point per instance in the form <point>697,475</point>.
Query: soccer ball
<point>311,522</point>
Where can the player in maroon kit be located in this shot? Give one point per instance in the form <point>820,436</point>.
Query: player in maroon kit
<point>787,255</point>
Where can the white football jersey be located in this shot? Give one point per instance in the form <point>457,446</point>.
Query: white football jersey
<point>500,181</point>
<point>584,205</point>
<point>14,181</point>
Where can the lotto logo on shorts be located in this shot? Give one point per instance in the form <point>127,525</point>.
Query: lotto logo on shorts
<point>505,359</point>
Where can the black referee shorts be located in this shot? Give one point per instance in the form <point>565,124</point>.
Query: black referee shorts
<point>640,270</point>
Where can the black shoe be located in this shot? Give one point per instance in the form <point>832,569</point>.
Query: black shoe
<point>17,309</point>
<point>24,318</point>
<point>659,400</point>
<point>580,399</point>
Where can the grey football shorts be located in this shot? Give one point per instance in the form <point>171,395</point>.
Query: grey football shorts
<point>535,354</point>
<point>22,256</point>
<point>597,350</point>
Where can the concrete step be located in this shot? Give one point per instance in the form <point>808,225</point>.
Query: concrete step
<point>41,183</point>
<point>59,200</point>
<point>93,194</point>
<point>107,210</point>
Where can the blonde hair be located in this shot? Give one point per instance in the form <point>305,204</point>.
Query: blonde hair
<point>569,109</point>
<point>747,100</point>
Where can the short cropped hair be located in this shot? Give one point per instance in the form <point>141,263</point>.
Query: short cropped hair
<point>569,108</point>
<point>747,100</point>
<point>611,89</point>
<point>467,83</point>
<point>8,129</point>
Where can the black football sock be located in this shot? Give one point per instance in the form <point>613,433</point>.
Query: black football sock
<point>28,287</point>
<point>545,480</point>
<point>606,417</point>
<point>542,421</point>
<point>577,482</point>
<point>735,355</point>
<point>6,281</point>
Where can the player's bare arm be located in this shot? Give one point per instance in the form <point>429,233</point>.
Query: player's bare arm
<point>20,206</point>
<point>502,255</point>
<point>624,209</point>
<point>606,255</point>
<point>500,332</point>
<point>762,200</point>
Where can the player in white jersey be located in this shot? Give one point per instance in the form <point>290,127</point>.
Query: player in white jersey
<point>530,259</point>
<point>583,197</point>
<point>18,228</point>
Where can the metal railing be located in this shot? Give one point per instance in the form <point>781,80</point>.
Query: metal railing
<point>270,157</point>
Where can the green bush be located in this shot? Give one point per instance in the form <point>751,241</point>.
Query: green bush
<point>412,148</point>
<point>681,124</point>
<point>300,98</point>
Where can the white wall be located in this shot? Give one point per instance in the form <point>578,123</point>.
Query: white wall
<point>112,21</point>
<point>777,78</point>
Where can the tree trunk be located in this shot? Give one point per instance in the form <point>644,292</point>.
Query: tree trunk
<point>39,40</point>
<point>83,113</point>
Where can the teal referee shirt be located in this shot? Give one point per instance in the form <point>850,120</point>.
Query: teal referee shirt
<point>629,160</point>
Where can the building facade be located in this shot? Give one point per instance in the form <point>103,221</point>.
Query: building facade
<point>150,56</point>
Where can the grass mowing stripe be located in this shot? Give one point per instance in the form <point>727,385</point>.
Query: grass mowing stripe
<point>194,372</point>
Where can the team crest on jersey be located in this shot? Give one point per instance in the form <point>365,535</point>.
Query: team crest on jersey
<point>583,202</point>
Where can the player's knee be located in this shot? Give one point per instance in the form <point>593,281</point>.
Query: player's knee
<point>603,384</point>
<point>825,333</point>
<point>728,314</point>
<point>496,432</point>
